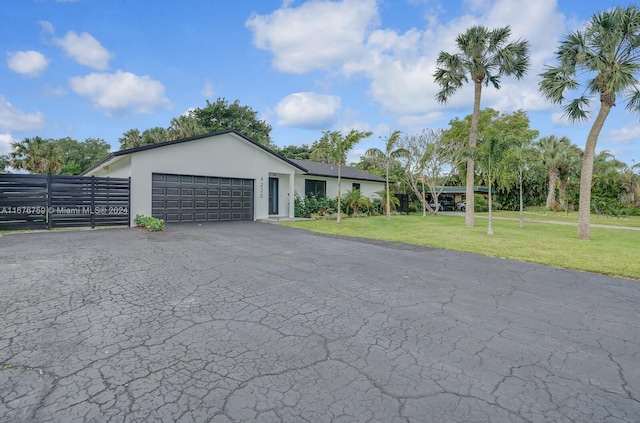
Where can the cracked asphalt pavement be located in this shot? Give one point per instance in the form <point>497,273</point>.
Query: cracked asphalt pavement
<point>256,322</point>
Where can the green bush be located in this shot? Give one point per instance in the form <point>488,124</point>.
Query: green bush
<point>314,207</point>
<point>481,204</point>
<point>149,223</point>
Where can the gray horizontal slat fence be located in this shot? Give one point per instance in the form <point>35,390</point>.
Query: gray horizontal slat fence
<point>57,201</point>
<point>23,201</point>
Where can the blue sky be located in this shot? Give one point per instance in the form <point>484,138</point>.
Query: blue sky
<point>97,68</point>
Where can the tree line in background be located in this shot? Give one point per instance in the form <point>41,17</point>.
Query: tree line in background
<point>487,147</point>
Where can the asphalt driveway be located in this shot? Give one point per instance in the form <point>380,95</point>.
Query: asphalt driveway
<point>256,322</point>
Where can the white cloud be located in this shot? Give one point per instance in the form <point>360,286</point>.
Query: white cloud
<point>30,62</point>
<point>46,27</point>
<point>308,110</point>
<point>342,36</point>
<point>315,35</point>
<point>121,92</point>
<point>14,120</point>
<point>85,49</point>
<point>5,143</point>
<point>623,136</point>
<point>208,90</point>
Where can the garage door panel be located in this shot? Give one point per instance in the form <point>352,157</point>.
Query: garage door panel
<point>194,198</point>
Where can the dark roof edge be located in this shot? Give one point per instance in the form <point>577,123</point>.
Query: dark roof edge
<point>346,177</point>
<point>197,137</point>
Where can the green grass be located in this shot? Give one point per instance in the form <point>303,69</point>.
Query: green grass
<point>610,251</point>
<point>571,217</point>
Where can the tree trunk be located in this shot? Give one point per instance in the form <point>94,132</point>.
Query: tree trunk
<point>553,182</point>
<point>424,201</point>
<point>490,230</point>
<point>473,139</point>
<point>586,175</point>
<point>339,204</point>
<point>562,193</point>
<point>521,201</point>
<point>388,195</point>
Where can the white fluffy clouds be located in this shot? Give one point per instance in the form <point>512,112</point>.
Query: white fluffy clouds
<point>315,35</point>
<point>29,63</point>
<point>121,92</point>
<point>14,120</point>
<point>308,110</point>
<point>344,36</point>
<point>85,49</point>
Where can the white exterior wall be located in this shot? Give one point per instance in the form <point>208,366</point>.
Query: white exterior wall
<point>367,188</point>
<point>119,169</point>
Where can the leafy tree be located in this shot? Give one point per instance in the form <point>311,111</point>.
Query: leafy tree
<point>630,183</point>
<point>430,162</point>
<point>79,156</point>
<point>184,127</point>
<point>381,202</point>
<point>221,116</point>
<point>513,126</point>
<point>298,152</point>
<point>5,162</point>
<point>335,146</point>
<point>387,158</point>
<point>484,57</point>
<point>609,50</point>
<point>37,155</point>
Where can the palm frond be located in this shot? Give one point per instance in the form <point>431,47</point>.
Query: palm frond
<point>576,109</point>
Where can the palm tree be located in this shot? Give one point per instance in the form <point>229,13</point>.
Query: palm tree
<point>551,156</point>
<point>567,167</point>
<point>355,200</point>
<point>609,49</point>
<point>335,147</point>
<point>387,158</point>
<point>185,127</point>
<point>492,158</point>
<point>130,139</point>
<point>485,56</point>
<point>37,155</point>
<point>394,203</point>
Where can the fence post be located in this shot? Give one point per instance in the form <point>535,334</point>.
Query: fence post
<point>129,208</point>
<point>93,202</point>
<point>48,211</point>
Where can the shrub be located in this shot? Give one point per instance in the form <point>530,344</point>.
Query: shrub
<point>149,223</point>
<point>480,204</point>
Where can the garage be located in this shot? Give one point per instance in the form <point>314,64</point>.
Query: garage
<point>192,198</point>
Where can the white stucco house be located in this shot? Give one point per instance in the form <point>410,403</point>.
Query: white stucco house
<point>223,176</point>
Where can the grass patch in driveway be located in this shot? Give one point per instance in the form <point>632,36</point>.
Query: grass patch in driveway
<point>611,252</point>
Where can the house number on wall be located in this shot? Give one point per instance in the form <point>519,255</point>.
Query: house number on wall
<point>261,186</point>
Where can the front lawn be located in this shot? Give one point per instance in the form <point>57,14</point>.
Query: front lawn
<point>610,251</point>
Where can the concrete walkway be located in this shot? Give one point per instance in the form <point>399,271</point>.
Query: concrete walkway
<point>257,322</point>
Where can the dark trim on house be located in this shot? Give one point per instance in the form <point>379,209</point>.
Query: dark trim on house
<point>331,171</point>
<point>197,137</point>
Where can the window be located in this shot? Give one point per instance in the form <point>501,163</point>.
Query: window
<point>355,186</point>
<point>313,188</point>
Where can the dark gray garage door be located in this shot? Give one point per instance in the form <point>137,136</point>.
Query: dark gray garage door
<point>190,198</point>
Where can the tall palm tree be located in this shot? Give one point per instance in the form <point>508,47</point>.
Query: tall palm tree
<point>37,155</point>
<point>609,50</point>
<point>485,56</point>
<point>387,158</point>
<point>335,146</point>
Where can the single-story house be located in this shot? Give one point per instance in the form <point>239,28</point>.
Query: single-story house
<point>223,176</point>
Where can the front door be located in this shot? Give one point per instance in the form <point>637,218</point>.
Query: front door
<point>273,196</point>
